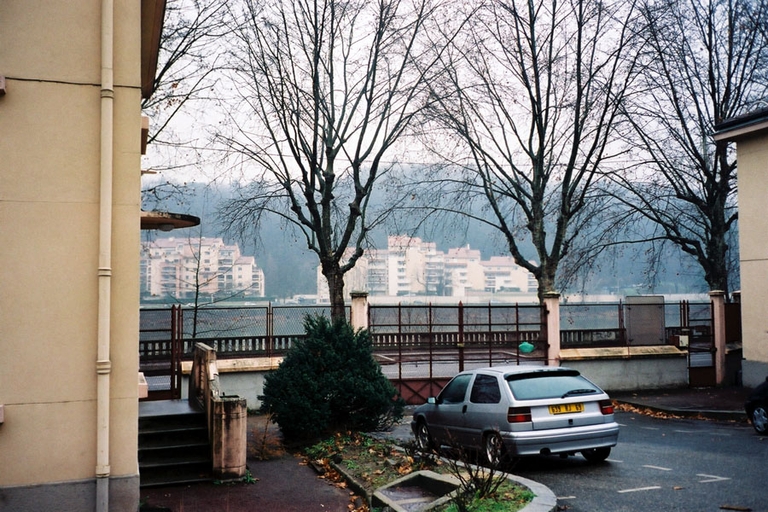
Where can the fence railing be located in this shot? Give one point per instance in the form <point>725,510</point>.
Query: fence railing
<point>607,325</point>
<point>489,332</point>
<point>447,339</point>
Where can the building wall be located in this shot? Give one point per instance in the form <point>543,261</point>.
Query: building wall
<point>753,225</point>
<point>49,262</point>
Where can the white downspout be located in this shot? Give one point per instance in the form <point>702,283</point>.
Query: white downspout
<point>103,363</point>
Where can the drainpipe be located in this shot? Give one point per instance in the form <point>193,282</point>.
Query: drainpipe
<point>103,363</point>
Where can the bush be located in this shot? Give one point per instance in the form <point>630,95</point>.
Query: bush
<point>329,383</point>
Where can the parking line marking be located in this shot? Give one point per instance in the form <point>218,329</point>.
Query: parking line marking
<point>711,478</point>
<point>651,488</point>
<point>566,497</point>
<point>650,428</point>
<point>614,460</point>
<point>684,431</point>
<point>657,467</point>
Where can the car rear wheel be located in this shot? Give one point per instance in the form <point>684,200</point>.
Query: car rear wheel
<point>493,449</point>
<point>596,454</point>
<point>760,419</point>
<point>423,439</point>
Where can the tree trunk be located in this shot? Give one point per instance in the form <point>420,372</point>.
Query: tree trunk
<point>335,279</point>
<point>546,279</point>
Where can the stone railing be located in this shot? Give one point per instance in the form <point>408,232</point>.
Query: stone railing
<point>227,416</point>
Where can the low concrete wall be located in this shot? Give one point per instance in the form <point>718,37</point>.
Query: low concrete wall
<point>613,369</point>
<point>241,377</point>
<point>630,369</point>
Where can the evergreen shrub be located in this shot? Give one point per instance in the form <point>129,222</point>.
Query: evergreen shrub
<point>329,382</point>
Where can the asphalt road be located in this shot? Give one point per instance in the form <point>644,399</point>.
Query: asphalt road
<point>659,465</point>
<point>663,465</point>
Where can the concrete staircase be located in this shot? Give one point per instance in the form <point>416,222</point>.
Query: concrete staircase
<point>173,444</point>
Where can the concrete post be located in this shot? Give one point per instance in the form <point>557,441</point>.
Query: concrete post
<point>552,305</point>
<point>359,310</point>
<point>718,332</point>
<point>229,437</point>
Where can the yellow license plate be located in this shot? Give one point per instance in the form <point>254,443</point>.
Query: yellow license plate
<point>566,408</point>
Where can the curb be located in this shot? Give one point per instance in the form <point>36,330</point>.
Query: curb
<point>544,499</point>
<point>711,414</point>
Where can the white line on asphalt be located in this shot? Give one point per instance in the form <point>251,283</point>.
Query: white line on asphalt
<point>684,431</point>
<point>566,497</point>
<point>723,434</point>
<point>613,460</point>
<point>650,428</point>
<point>651,488</point>
<point>711,478</point>
<point>657,467</point>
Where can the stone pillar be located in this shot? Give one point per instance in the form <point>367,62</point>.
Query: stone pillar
<point>358,316</point>
<point>552,305</point>
<point>718,333</point>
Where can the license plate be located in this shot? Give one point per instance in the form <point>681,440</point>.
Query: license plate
<point>566,408</point>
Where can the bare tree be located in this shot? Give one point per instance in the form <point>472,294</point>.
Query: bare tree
<point>702,61</point>
<point>183,85</point>
<point>327,89</point>
<point>531,108</point>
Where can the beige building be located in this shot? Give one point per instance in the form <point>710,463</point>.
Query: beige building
<point>182,267</point>
<point>73,74</point>
<point>751,135</point>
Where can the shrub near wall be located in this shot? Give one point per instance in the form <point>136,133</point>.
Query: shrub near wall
<point>328,383</point>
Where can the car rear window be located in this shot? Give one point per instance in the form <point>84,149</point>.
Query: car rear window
<point>543,386</point>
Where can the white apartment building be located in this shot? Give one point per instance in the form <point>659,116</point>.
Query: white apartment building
<point>409,266</point>
<point>502,274</point>
<point>180,267</point>
<point>463,271</point>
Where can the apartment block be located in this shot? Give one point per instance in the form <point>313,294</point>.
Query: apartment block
<point>182,267</point>
<point>410,266</point>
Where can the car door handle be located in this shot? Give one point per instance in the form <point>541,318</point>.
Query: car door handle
<point>464,409</point>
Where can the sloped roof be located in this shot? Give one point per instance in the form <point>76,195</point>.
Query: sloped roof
<point>742,126</point>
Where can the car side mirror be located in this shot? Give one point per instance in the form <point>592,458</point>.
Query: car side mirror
<point>432,400</point>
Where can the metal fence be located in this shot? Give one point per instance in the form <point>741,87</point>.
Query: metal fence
<point>486,333</point>
<point>610,325</point>
<point>264,331</point>
<point>439,340</point>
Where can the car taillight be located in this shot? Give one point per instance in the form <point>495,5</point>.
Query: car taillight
<point>519,414</point>
<point>606,407</point>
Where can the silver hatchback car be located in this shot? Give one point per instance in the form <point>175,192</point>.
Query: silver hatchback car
<point>514,411</point>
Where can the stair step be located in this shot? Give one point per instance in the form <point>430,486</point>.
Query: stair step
<point>175,462</point>
<point>171,423</point>
<point>154,444</point>
<point>173,444</point>
<point>177,476</point>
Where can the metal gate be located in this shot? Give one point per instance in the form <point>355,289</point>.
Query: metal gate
<point>160,351</point>
<point>420,347</point>
<point>697,333</point>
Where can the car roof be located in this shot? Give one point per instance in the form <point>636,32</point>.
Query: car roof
<point>519,369</point>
